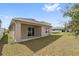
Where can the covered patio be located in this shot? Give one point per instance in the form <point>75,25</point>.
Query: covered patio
<point>29,31</point>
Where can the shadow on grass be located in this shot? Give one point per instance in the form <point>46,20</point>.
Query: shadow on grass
<point>3,41</point>
<point>40,43</point>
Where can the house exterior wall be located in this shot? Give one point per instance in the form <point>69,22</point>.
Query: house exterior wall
<point>50,30</point>
<point>24,31</point>
<point>44,29</point>
<point>18,31</point>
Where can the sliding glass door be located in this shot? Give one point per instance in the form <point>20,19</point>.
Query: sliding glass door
<point>30,31</point>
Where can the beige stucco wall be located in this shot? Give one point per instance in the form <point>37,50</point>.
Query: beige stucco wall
<point>43,31</point>
<point>50,30</point>
<point>37,31</point>
<point>18,31</point>
<point>24,31</point>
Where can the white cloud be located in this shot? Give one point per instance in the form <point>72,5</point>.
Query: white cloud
<point>59,8</point>
<point>51,7</point>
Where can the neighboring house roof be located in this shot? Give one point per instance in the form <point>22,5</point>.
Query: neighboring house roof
<point>60,28</point>
<point>31,21</point>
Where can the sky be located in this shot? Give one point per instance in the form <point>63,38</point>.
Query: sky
<point>48,12</point>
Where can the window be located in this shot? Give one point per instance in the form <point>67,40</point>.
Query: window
<point>47,30</point>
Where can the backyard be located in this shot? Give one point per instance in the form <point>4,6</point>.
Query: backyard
<point>58,44</point>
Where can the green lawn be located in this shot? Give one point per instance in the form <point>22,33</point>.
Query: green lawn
<point>58,44</point>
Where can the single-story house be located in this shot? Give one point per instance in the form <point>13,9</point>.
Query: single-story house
<point>60,29</point>
<point>23,29</point>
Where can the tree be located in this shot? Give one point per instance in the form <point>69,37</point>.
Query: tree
<point>0,21</point>
<point>73,12</point>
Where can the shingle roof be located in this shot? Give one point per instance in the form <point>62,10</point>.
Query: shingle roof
<point>31,20</point>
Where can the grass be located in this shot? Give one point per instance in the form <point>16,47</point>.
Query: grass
<point>16,49</point>
<point>40,43</point>
<point>61,33</point>
<point>66,45</point>
<point>56,44</point>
